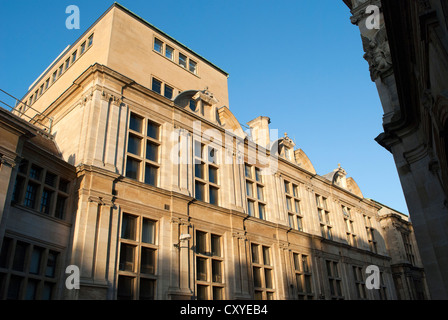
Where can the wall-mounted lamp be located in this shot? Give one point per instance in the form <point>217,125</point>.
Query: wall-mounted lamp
<point>183,237</point>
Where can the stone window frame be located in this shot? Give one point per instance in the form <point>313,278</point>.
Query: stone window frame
<point>359,282</point>
<point>334,279</point>
<point>292,197</point>
<point>370,231</point>
<point>207,163</point>
<point>303,276</point>
<point>138,245</point>
<point>209,257</point>
<point>19,267</point>
<point>262,292</point>
<point>145,139</point>
<point>351,236</point>
<point>255,178</point>
<point>323,214</point>
<point>60,190</point>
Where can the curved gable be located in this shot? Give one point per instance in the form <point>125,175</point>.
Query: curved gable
<point>353,187</point>
<point>303,161</point>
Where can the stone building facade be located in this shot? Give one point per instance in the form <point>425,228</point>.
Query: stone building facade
<point>407,53</point>
<point>132,168</point>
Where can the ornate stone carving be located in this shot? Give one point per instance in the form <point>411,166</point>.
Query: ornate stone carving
<point>377,53</point>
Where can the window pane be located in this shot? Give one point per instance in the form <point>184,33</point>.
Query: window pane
<point>5,252</point>
<point>60,207</point>
<point>45,201</point>
<point>158,45</point>
<point>153,130</point>
<point>213,174</point>
<point>261,211</point>
<point>18,263</point>
<point>260,193</point>
<point>192,105</point>
<point>248,171</point>
<point>127,253</point>
<point>50,179</point>
<point>199,171</point>
<point>198,149</point>
<point>299,224</point>
<point>249,189</point>
<point>299,283</point>
<point>268,278</point>
<point>308,284</point>
<point>35,172</point>
<point>48,291</point>
<point>148,261</point>
<point>216,271</point>
<point>258,295</point>
<point>15,284</point>
<point>201,242</point>
<point>156,86</point>
<point>149,231</point>
<point>305,264</point>
<point>202,292</point>
<point>132,168</point>
<point>214,196</point>
<point>134,145</point>
<point>125,290</point>
<point>255,253</point>
<point>151,175</point>
<point>296,262</point>
<point>291,220</point>
<point>257,277</point>
<point>201,265</point>
<point>251,208</point>
<point>50,269</point>
<point>287,190</point>
<point>182,60</point>
<point>217,293</point>
<point>199,191</point>
<point>147,289</point>
<point>192,66</point>
<point>136,123</point>
<point>297,206</point>
<point>18,188</point>
<point>36,257</point>
<point>168,93</point>
<point>266,256</point>
<point>258,175</point>
<point>216,245</point>
<point>169,52</point>
<point>288,204</point>
<point>31,289</point>
<point>63,185</point>
<point>152,151</point>
<point>129,227</point>
<point>30,195</point>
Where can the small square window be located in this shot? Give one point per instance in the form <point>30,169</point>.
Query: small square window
<point>192,66</point>
<point>158,45</point>
<point>182,60</point>
<point>169,52</point>
<point>156,86</point>
<point>90,41</point>
<point>168,92</point>
<point>83,48</point>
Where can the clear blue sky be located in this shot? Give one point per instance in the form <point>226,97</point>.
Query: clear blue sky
<point>298,62</point>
